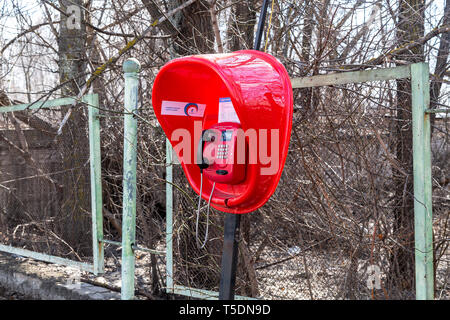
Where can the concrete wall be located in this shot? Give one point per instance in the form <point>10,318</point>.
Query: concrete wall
<point>31,279</point>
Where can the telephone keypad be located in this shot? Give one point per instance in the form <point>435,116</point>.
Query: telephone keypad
<point>222,151</point>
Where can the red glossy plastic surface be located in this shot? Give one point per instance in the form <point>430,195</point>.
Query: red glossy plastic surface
<point>261,93</point>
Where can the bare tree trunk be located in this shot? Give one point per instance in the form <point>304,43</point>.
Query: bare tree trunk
<point>192,27</point>
<point>410,27</point>
<point>215,24</point>
<point>155,11</point>
<point>73,145</point>
<point>306,94</point>
<point>241,25</point>
<point>195,28</point>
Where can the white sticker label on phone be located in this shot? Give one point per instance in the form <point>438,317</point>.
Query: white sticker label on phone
<point>189,109</point>
<point>227,112</point>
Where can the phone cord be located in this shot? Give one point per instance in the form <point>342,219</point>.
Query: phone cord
<point>207,213</point>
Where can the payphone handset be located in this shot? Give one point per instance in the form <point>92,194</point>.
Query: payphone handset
<point>217,158</point>
<point>219,150</point>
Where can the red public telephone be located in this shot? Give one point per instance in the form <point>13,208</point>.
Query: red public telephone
<point>219,154</point>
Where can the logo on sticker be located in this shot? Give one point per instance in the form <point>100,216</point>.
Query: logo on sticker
<point>175,108</point>
<point>191,108</point>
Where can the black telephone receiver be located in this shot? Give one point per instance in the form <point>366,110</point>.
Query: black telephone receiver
<point>207,136</point>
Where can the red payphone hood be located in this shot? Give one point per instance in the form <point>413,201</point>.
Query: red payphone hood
<point>261,93</point>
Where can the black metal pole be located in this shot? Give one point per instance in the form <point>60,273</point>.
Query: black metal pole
<point>229,256</point>
<point>261,23</point>
<point>233,221</point>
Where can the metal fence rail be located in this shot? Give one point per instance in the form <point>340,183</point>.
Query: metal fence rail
<point>91,101</point>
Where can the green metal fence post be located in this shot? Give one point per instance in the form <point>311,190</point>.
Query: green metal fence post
<point>131,68</point>
<point>169,218</point>
<point>423,226</point>
<point>96,183</point>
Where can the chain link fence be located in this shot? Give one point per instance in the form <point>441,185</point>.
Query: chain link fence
<point>332,230</point>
